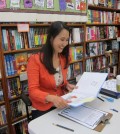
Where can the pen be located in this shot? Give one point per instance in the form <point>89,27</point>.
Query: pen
<point>100,98</point>
<point>63,127</point>
<point>114,110</point>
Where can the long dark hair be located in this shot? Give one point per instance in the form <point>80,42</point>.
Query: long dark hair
<point>46,52</point>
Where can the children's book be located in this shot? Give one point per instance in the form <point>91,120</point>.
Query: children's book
<point>14,4</point>
<point>28,3</point>
<point>78,52</point>
<point>21,62</point>
<point>62,4</point>
<point>93,47</point>
<point>87,90</point>
<point>2,4</point>
<point>77,69</point>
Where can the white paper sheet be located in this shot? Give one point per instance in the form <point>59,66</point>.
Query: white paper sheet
<point>89,86</point>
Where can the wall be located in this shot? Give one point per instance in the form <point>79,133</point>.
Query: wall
<point>33,17</point>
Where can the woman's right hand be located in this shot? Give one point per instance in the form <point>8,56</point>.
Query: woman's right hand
<point>57,101</point>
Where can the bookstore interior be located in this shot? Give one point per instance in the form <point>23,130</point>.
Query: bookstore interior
<point>94,47</point>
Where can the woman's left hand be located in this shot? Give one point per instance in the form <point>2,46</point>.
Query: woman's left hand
<point>70,87</point>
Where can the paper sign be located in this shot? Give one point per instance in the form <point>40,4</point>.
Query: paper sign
<point>50,4</point>
<point>28,3</point>
<point>62,4</point>
<point>23,27</point>
<point>2,4</point>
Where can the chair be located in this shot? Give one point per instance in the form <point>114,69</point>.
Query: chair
<point>28,103</point>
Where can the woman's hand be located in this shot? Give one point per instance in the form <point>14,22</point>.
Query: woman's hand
<point>57,101</point>
<point>70,87</point>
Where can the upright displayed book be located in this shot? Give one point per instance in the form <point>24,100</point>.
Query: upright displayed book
<point>21,62</point>
<point>76,35</point>
<point>87,90</point>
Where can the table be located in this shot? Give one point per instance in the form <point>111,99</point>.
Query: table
<point>44,124</point>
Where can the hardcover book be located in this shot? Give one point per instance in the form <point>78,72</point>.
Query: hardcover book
<point>28,3</point>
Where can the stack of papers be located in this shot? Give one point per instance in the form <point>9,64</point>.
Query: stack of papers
<point>109,89</point>
<point>89,86</point>
<point>110,85</point>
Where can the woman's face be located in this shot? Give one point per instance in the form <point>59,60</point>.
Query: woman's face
<point>60,41</point>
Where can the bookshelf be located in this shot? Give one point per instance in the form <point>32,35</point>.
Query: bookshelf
<point>101,46</point>
<point>15,50</point>
<point>4,111</point>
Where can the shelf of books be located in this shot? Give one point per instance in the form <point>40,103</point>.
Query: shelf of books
<point>16,47</point>
<point>3,105</point>
<point>102,32</point>
<point>76,52</point>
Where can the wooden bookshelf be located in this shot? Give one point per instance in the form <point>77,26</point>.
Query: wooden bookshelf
<point>96,23</point>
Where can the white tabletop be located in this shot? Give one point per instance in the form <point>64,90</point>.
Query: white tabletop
<point>44,124</point>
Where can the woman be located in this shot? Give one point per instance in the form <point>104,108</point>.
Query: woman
<point>47,71</point>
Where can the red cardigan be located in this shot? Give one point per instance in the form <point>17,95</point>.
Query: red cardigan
<point>41,83</point>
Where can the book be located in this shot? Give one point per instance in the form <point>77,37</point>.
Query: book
<point>21,62</point>
<point>72,53</point>
<point>78,52</point>
<point>14,4</point>
<point>93,48</point>
<point>115,45</point>
<point>90,2</point>
<point>76,35</point>
<point>24,86</point>
<point>0,74</point>
<point>1,92</point>
<point>101,2</point>
<point>95,2</point>
<point>89,14</point>
<point>77,69</point>
<point>89,86</point>
<point>109,89</point>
